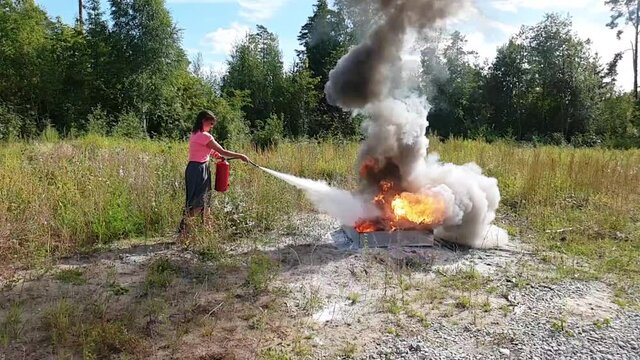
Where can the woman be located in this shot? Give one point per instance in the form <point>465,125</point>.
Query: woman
<point>197,176</point>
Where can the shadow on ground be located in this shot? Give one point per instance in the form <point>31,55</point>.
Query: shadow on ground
<point>167,302</point>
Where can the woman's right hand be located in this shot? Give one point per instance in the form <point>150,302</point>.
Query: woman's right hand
<point>244,158</point>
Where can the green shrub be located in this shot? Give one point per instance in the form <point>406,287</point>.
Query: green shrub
<point>261,272</point>
<point>231,130</point>
<point>10,123</point>
<point>271,133</point>
<point>97,121</point>
<point>161,274</point>
<point>50,134</point>
<point>129,126</point>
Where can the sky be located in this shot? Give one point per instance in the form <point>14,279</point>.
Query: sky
<point>211,27</point>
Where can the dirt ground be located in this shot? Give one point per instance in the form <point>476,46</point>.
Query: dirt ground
<point>304,296</point>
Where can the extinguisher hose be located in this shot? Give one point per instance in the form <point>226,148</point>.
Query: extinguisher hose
<point>250,162</point>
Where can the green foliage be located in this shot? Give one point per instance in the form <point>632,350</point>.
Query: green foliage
<point>275,353</point>
<point>12,325</point>
<point>161,274</point>
<point>129,126</point>
<point>26,57</point>
<point>618,122</point>
<point>71,276</point>
<point>465,279</point>
<point>271,133</point>
<point>360,16</point>
<point>124,73</point>
<point>348,350</point>
<point>458,104</point>
<point>545,85</point>
<point>627,12</point>
<point>106,338</point>
<point>76,80</point>
<point>354,298</point>
<point>83,329</point>
<point>463,302</point>
<point>559,325</point>
<point>49,134</point>
<point>302,98</point>
<point>120,219</point>
<point>325,38</point>
<point>118,289</point>
<point>59,321</point>
<point>255,66</point>
<point>231,129</point>
<point>97,121</point>
<point>10,123</point>
<point>261,272</point>
<point>601,324</point>
<point>312,301</point>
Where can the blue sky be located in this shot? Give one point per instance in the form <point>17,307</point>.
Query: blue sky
<point>212,26</point>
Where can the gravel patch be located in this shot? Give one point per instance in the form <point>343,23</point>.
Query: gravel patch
<point>545,321</point>
<point>528,333</point>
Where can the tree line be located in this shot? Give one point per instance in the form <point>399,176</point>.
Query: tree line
<point>121,71</point>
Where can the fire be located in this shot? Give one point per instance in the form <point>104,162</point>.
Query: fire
<point>368,165</point>
<point>418,208</point>
<point>366,226</point>
<point>403,210</point>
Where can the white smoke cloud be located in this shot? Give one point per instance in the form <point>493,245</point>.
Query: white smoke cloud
<point>371,78</point>
<point>397,131</point>
<point>374,79</point>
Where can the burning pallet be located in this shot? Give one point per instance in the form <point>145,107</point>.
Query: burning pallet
<point>389,239</point>
<point>404,218</point>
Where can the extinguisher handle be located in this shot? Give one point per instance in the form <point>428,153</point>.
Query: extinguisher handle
<point>250,162</point>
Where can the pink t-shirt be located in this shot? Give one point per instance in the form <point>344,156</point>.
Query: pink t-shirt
<point>198,149</point>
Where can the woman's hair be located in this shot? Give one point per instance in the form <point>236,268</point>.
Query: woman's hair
<point>202,116</point>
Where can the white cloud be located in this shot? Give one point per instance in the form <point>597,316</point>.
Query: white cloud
<point>485,42</point>
<point>252,10</point>
<point>259,9</point>
<point>222,40</point>
<point>478,42</point>
<point>515,5</point>
<point>191,52</point>
<point>504,27</point>
<point>215,67</point>
<point>605,43</point>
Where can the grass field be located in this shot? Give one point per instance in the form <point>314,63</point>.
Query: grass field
<point>66,197</point>
<point>576,208</point>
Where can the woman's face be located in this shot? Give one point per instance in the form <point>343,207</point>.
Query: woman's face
<point>208,123</point>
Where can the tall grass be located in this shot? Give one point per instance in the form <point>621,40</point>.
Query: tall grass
<point>59,198</point>
<point>578,202</point>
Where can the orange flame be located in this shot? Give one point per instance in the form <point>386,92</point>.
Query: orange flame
<point>366,226</point>
<point>403,211</point>
<point>368,165</point>
<point>420,209</point>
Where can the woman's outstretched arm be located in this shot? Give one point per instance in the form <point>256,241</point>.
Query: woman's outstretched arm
<point>213,145</point>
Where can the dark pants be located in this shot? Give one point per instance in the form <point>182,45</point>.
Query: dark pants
<point>197,180</point>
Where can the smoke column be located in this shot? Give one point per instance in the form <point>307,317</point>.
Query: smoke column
<point>366,80</point>
<point>363,75</point>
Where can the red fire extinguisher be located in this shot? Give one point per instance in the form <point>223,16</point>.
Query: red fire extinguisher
<point>222,175</point>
